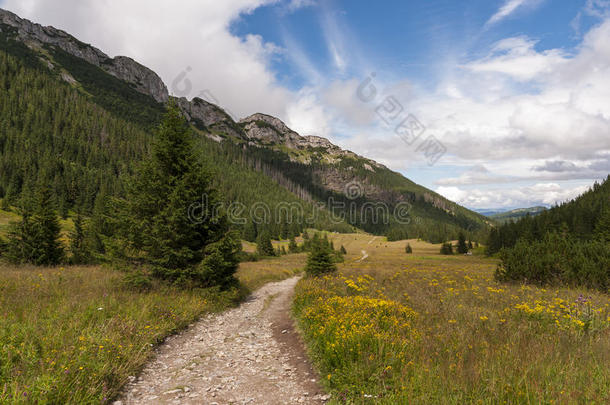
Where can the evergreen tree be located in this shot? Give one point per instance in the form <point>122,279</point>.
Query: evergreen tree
<point>462,247</point>
<point>220,263</point>
<point>170,214</point>
<point>250,232</point>
<point>264,246</point>
<point>35,239</point>
<point>447,248</point>
<point>78,243</point>
<point>408,248</point>
<point>284,229</point>
<point>319,260</point>
<point>342,250</point>
<point>602,228</point>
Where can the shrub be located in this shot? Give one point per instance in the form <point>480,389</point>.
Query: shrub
<point>557,259</point>
<point>447,248</point>
<point>137,280</point>
<point>320,259</point>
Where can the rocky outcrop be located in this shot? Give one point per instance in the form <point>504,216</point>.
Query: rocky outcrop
<point>198,109</point>
<point>267,130</point>
<point>210,117</point>
<point>145,80</point>
<point>140,77</point>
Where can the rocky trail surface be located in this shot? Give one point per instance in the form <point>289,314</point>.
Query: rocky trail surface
<point>247,355</point>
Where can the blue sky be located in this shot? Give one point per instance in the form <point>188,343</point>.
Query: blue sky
<point>516,92</point>
<point>402,38</point>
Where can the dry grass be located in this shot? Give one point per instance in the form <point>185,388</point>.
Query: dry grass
<point>254,274</point>
<point>74,335</point>
<point>470,339</point>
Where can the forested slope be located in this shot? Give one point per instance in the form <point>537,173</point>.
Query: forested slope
<point>568,244</point>
<point>67,117</point>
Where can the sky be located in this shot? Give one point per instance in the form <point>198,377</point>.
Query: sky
<point>495,104</point>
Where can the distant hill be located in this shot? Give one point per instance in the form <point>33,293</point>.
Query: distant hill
<point>516,213</point>
<point>578,217</point>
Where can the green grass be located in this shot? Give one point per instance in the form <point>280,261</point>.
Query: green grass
<point>425,328</point>
<point>73,335</point>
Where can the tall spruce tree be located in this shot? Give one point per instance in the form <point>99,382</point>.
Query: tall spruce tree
<point>78,243</point>
<point>170,214</point>
<point>602,228</point>
<point>263,245</point>
<point>35,239</point>
<point>462,247</point>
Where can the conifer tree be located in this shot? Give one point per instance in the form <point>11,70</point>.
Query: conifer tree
<point>342,250</point>
<point>220,263</point>
<point>447,248</point>
<point>250,232</point>
<point>170,214</point>
<point>408,248</point>
<point>602,228</point>
<point>284,229</point>
<point>264,246</point>
<point>35,239</point>
<point>78,243</point>
<point>319,260</point>
<point>462,247</point>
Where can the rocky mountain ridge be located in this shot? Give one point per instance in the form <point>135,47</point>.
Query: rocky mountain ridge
<point>263,129</point>
<point>308,166</point>
<point>35,35</point>
<point>258,129</point>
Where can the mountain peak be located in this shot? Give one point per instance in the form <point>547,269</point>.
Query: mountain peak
<point>35,35</point>
<point>268,131</point>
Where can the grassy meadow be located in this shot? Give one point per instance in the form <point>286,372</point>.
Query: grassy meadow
<point>425,328</point>
<point>74,335</point>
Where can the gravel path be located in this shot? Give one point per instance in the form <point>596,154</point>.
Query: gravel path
<point>247,355</point>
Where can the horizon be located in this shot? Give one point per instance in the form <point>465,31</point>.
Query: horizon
<point>515,91</point>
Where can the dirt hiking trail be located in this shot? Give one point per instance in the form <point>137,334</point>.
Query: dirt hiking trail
<point>247,355</point>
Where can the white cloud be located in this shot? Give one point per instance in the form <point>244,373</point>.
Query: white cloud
<point>517,58</point>
<point>476,175</point>
<point>295,5</point>
<point>508,8</point>
<point>170,38</point>
<point>521,105</point>
<point>547,194</point>
<point>307,115</point>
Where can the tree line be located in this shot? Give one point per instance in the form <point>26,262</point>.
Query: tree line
<point>567,244</point>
